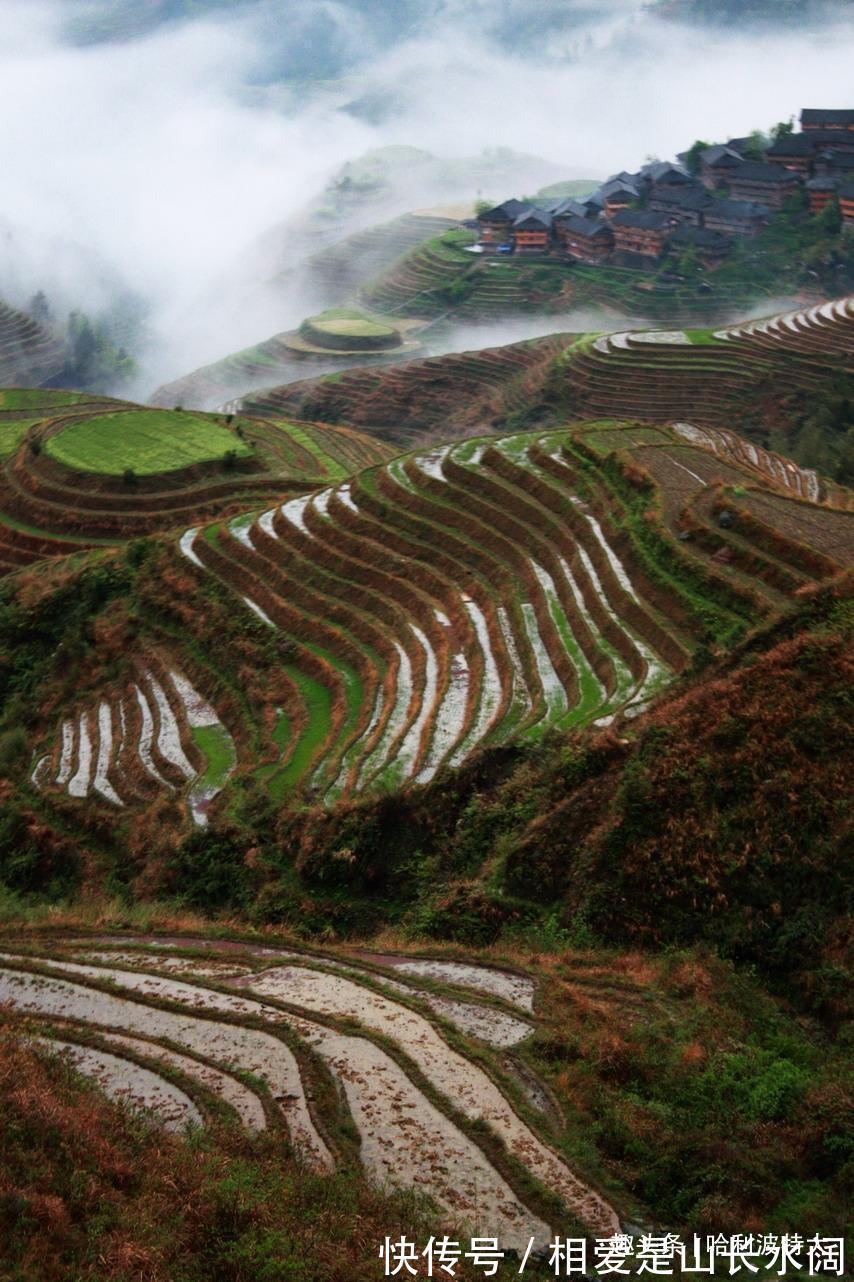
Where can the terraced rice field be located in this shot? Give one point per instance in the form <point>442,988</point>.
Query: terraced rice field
<point>407,403</point>
<point>78,472</point>
<point>29,354</point>
<point>441,604</point>
<point>452,599</point>
<point>492,590</point>
<point>330,275</point>
<point>429,1112</point>
<point>705,378</point>
<point>159,732</point>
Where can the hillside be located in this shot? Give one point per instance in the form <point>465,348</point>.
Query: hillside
<point>784,382</point>
<point>80,471</point>
<point>326,276</point>
<point>481,801</point>
<point>368,634</point>
<point>29,354</point>
<point>609,1012</point>
<point>442,274</point>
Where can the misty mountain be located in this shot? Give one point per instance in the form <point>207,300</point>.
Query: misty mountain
<point>759,12</point>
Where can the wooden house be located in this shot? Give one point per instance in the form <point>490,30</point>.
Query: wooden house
<point>795,152</point>
<point>832,139</point>
<point>736,217</point>
<point>663,173</point>
<point>619,198</point>
<point>568,208</point>
<point>819,118</point>
<point>711,247</point>
<point>835,164</point>
<point>590,240</point>
<point>498,222</point>
<point>532,231</point>
<point>688,204</point>
<point>640,231</point>
<point>770,184</point>
<point>821,191</point>
<point>846,202</point>
<point>716,164</point>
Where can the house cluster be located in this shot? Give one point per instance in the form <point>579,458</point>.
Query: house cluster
<point>732,189</point>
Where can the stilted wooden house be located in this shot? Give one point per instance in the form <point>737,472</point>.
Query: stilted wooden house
<point>532,231</point>
<point>821,191</point>
<point>770,184</point>
<point>821,118</point>
<point>498,222</point>
<point>619,198</point>
<point>846,202</point>
<point>795,152</point>
<point>688,204</point>
<point>711,247</point>
<point>640,231</point>
<point>590,240</point>
<point>716,165</point>
<point>736,217</point>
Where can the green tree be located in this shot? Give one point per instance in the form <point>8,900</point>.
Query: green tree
<point>692,155</point>
<point>783,129</point>
<point>40,309</point>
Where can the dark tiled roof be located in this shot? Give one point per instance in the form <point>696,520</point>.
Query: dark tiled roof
<point>825,183</point>
<point>847,192</point>
<point>507,211</point>
<point>682,198</point>
<point>737,209</point>
<point>720,155</point>
<point>621,193</point>
<point>700,237</point>
<point>587,227</point>
<point>834,137</point>
<point>641,218</point>
<point>840,159</point>
<point>570,208</point>
<point>664,171</point>
<point>794,145</point>
<point>824,115</point>
<point>533,220</point>
<point>756,172</point>
<point>623,177</point>
<point>609,188</point>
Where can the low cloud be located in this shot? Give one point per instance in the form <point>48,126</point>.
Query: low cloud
<point>148,167</point>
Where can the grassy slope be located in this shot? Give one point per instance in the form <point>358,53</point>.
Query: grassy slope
<point>147,441</point>
<point>88,1191</point>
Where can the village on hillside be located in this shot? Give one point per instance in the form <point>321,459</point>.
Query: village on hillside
<point>699,203</point>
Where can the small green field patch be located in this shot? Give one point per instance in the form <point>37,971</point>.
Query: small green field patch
<point>12,432</point>
<point>144,441</point>
<point>25,398</point>
<point>217,747</point>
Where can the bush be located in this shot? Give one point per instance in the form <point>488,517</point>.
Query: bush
<point>13,750</point>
